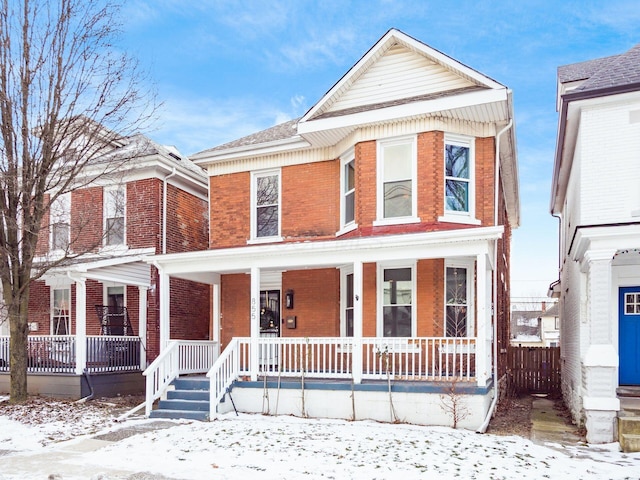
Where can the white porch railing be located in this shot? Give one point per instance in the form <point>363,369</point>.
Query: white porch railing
<point>413,359</point>
<point>180,357</point>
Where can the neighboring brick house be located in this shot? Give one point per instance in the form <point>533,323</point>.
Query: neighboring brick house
<point>156,202</point>
<point>376,228</point>
<point>595,195</point>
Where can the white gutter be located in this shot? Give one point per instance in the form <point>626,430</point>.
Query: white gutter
<point>483,428</point>
<point>164,210</point>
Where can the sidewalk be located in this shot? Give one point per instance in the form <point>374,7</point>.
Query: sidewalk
<point>549,426</point>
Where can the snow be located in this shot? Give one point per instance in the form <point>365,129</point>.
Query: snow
<point>268,447</point>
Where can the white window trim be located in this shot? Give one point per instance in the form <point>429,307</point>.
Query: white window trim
<point>380,296</point>
<point>470,266</point>
<point>413,218</point>
<point>105,216</point>
<point>345,227</point>
<point>53,220</point>
<point>105,292</point>
<point>52,289</point>
<point>344,271</point>
<point>450,215</point>
<point>253,215</point>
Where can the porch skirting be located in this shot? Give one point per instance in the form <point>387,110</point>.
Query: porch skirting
<point>73,387</point>
<point>420,403</point>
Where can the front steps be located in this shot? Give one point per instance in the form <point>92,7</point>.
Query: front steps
<point>629,419</point>
<point>189,399</point>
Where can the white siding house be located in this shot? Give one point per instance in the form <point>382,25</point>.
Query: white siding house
<point>596,196</point>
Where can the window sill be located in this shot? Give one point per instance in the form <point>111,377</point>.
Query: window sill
<point>348,228</point>
<point>114,249</point>
<point>467,220</point>
<point>259,241</point>
<point>396,221</point>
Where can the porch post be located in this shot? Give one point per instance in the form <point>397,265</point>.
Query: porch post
<point>81,325</point>
<point>215,334</point>
<point>165,326</point>
<point>356,353</point>
<point>142,325</point>
<point>483,337</point>
<point>255,321</point>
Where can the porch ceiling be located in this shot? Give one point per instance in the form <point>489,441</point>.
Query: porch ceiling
<point>205,266</point>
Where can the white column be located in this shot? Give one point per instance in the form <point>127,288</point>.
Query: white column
<point>483,321</point>
<point>165,325</point>
<point>81,325</point>
<point>142,325</point>
<point>215,334</point>
<point>356,354</point>
<point>255,321</point>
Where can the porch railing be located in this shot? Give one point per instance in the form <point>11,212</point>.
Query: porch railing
<point>371,358</point>
<point>57,353</point>
<point>180,357</point>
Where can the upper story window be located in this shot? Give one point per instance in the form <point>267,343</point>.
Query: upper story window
<point>347,191</point>
<point>60,214</point>
<point>265,200</point>
<point>396,291</point>
<point>397,173</point>
<point>459,177</point>
<point>458,314</point>
<point>114,215</point>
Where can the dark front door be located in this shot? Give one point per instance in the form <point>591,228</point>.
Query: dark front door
<point>629,335</point>
<point>270,313</point>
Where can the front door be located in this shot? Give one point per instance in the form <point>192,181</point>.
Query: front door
<point>629,335</point>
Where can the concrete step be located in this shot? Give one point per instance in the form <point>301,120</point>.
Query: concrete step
<point>181,404</point>
<point>629,443</point>
<point>630,404</point>
<point>628,425</point>
<point>192,383</point>
<point>188,395</point>
<point>178,414</point>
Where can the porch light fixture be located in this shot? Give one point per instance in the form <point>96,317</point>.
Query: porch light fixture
<point>288,299</point>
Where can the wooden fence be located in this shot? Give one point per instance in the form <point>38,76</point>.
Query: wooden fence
<point>534,369</point>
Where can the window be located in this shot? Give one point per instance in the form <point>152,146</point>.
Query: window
<point>346,300</point>
<point>397,172</point>
<point>265,222</point>
<point>347,190</point>
<point>458,310</point>
<point>114,215</point>
<point>632,303</point>
<point>397,295</point>
<point>61,312</point>
<point>60,214</point>
<point>459,173</point>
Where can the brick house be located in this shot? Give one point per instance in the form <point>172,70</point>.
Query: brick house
<point>98,314</point>
<point>364,242</point>
<point>595,196</point>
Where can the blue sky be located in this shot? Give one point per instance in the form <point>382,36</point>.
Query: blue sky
<point>225,69</point>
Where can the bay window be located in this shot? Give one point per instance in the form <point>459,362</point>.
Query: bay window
<point>397,173</point>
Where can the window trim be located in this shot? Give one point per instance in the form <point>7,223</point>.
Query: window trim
<point>63,219</point>
<point>106,216</point>
<point>380,146</point>
<point>345,227</point>
<point>469,265</point>
<point>52,315</point>
<point>380,296</point>
<point>344,273</point>
<point>469,216</point>
<point>254,207</point>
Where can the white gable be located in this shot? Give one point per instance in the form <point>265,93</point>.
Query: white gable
<point>400,73</point>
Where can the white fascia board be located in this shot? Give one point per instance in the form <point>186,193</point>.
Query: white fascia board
<point>614,237</point>
<point>246,151</point>
<point>412,109</point>
<point>453,243</point>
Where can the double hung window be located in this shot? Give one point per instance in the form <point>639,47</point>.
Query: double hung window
<point>60,214</point>
<point>114,208</point>
<point>265,214</point>
<point>459,177</point>
<point>397,293</point>
<point>61,312</point>
<point>346,290</point>
<point>397,173</point>
<point>347,191</point>
<point>458,309</point>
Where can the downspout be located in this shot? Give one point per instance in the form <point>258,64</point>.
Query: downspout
<point>483,428</point>
<point>164,210</point>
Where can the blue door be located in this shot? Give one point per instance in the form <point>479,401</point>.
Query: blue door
<point>629,335</point>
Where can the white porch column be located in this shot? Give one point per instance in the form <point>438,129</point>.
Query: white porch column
<point>215,334</point>
<point>165,299</point>
<point>142,325</point>
<point>483,333</point>
<point>356,354</point>
<point>600,360</point>
<point>255,321</point>
<point>81,325</point>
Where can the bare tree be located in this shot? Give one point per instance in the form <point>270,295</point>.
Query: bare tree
<point>67,96</point>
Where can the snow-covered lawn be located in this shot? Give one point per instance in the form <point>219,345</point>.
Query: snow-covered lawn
<point>266,447</point>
